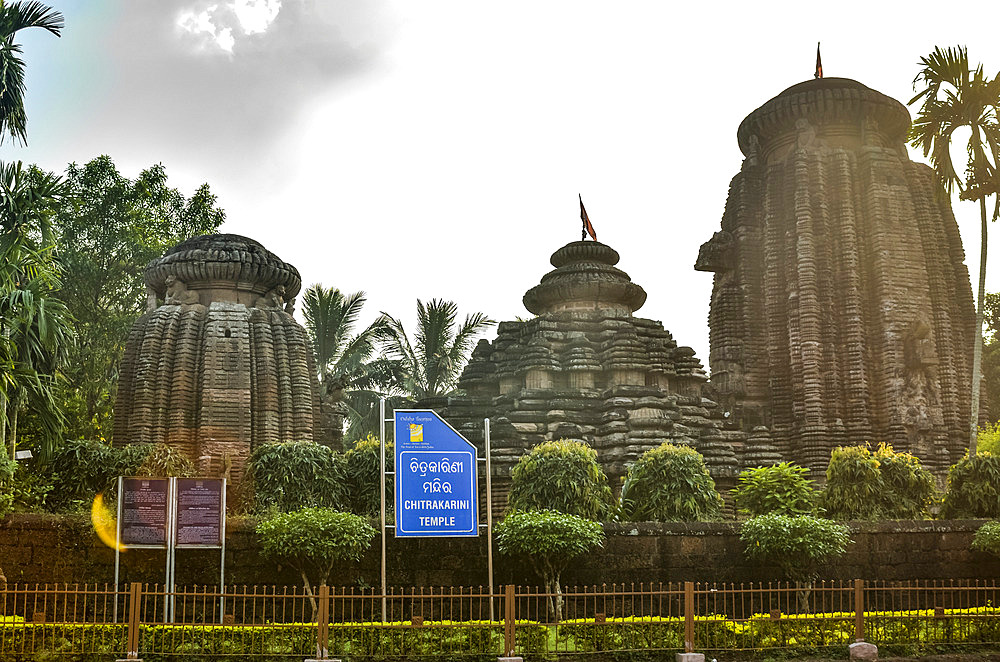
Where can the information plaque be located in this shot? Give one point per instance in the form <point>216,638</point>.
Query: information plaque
<point>144,512</point>
<point>199,512</point>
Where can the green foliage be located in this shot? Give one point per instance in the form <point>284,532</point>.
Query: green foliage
<point>432,365</point>
<point>782,489</point>
<point>311,540</point>
<point>557,537</point>
<point>670,483</point>
<point>362,473</point>
<point>987,538</point>
<point>8,467</point>
<point>989,439</point>
<point>973,488</point>
<point>561,475</point>
<point>861,484</point>
<point>82,468</point>
<point>296,474</point>
<point>797,544</point>
<point>113,228</point>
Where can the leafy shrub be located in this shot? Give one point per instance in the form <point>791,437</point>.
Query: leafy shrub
<point>885,484</point>
<point>549,540</point>
<point>561,475</point>
<point>797,544</point>
<point>669,483</point>
<point>987,538</point>
<point>782,489</point>
<point>988,439</point>
<point>80,469</point>
<point>973,488</point>
<point>8,467</point>
<point>153,460</point>
<point>297,474</point>
<point>362,473</point>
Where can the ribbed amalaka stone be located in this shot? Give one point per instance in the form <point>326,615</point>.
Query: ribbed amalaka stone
<point>586,368</point>
<point>218,365</point>
<point>841,309</point>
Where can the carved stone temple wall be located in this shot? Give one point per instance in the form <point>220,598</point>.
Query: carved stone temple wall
<point>218,365</point>
<point>841,309</point>
<point>586,368</point>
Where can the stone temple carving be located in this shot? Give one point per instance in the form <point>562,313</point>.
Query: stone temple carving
<point>841,308</point>
<point>219,367</point>
<point>585,368</point>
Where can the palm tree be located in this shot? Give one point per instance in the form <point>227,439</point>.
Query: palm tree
<point>434,363</point>
<point>34,331</point>
<point>16,16</point>
<point>348,372</point>
<point>956,96</point>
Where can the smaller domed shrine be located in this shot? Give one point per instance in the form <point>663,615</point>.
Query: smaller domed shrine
<point>217,365</point>
<point>586,368</point>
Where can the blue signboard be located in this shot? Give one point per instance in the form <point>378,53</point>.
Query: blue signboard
<point>436,484</point>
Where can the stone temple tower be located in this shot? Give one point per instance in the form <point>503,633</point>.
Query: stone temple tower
<point>220,365</point>
<point>841,309</point>
<point>586,368</point>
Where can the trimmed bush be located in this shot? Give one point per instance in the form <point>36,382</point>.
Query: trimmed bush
<point>782,489</point>
<point>861,484</point>
<point>987,538</point>
<point>561,475</point>
<point>973,488</point>
<point>669,483</point>
<point>297,474</point>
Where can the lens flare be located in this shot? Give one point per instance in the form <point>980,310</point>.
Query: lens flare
<point>104,522</point>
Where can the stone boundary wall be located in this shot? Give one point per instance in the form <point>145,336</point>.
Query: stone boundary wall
<point>52,548</point>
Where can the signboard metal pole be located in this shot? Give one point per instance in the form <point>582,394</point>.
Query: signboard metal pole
<point>118,545</point>
<point>168,615</point>
<point>381,491</point>
<point>222,559</point>
<point>489,512</point>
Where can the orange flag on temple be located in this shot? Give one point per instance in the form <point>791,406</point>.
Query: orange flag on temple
<point>587,227</point>
<point>819,64</point>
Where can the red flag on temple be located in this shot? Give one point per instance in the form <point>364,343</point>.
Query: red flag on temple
<point>587,227</point>
<point>819,64</point>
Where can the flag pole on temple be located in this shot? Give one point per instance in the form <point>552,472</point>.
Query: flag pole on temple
<point>587,227</point>
<point>819,64</point>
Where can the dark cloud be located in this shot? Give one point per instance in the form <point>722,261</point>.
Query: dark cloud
<point>213,104</point>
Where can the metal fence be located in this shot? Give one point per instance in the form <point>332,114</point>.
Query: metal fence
<point>90,622</point>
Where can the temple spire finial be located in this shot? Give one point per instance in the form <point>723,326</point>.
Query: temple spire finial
<point>819,64</point>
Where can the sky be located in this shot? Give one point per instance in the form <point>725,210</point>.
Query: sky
<point>435,148</point>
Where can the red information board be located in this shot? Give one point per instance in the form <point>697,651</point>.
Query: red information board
<point>144,512</point>
<point>199,512</point>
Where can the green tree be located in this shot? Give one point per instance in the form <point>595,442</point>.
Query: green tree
<point>34,337</point>
<point>313,540</point>
<point>362,477</point>
<point>670,483</point>
<point>549,540</point>
<point>432,364</point>
<point>782,489</point>
<point>349,373</point>
<point>798,544</point>
<point>14,17</point>
<point>561,475</point>
<point>987,538</point>
<point>114,227</point>
<point>954,96</point>
<point>991,357</point>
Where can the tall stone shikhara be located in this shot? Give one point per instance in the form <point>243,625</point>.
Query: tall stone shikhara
<point>220,365</point>
<point>841,309</point>
<point>586,368</point>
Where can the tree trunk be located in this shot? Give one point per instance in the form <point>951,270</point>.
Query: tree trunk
<point>802,593</point>
<point>977,347</point>
<point>13,432</point>
<point>309,592</point>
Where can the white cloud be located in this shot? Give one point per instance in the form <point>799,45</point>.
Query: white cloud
<point>256,15</point>
<point>217,27</point>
